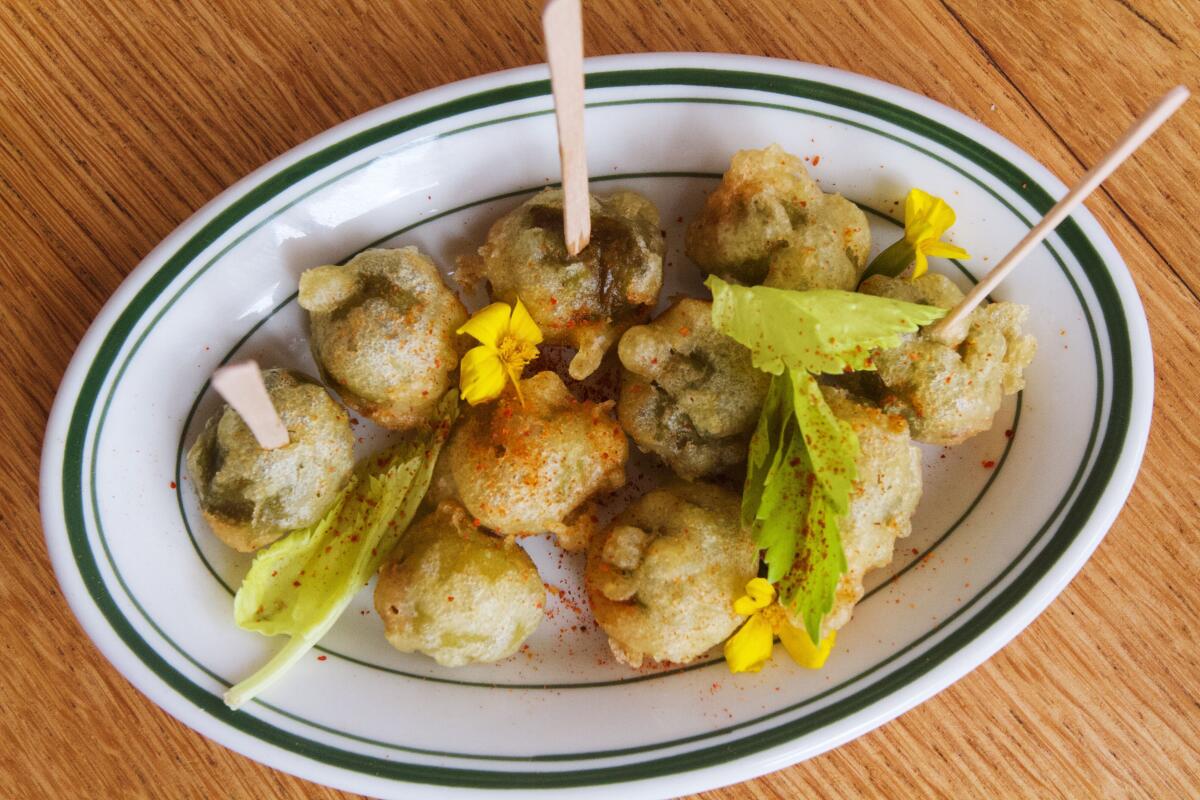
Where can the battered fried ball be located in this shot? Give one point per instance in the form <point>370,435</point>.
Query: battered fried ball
<point>251,496</point>
<point>885,495</point>
<point>768,222</point>
<point>456,594</point>
<point>585,301</point>
<point>950,393</point>
<point>662,579</point>
<point>525,468</point>
<point>688,393</point>
<point>383,333</point>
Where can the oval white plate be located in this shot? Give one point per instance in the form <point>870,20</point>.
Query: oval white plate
<point>992,545</point>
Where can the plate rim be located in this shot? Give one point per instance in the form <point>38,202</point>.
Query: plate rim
<point>981,646</point>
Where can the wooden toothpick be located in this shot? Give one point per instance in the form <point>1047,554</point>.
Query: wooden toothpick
<point>562,23</point>
<point>241,385</point>
<point>948,329</point>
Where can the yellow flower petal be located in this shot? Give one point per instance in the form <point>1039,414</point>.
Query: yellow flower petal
<point>801,648</point>
<point>522,325</point>
<point>920,263</point>
<point>482,375</point>
<point>488,324</point>
<point>943,250</point>
<point>925,216</point>
<point>749,648</point>
<point>759,594</point>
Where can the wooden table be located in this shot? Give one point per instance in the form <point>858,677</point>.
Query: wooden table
<point>118,120</point>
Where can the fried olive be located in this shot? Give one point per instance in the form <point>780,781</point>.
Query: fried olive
<point>530,463</point>
<point>383,333</point>
<point>663,577</point>
<point>457,594</point>
<point>586,301</point>
<point>948,393</point>
<point>689,393</point>
<point>251,496</point>
<point>768,222</point>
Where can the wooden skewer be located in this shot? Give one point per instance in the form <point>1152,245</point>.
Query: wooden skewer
<point>241,385</point>
<point>948,329</point>
<point>562,22</point>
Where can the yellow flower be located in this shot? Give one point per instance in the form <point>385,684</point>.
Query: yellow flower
<point>508,339</point>
<point>926,219</point>
<point>750,648</point>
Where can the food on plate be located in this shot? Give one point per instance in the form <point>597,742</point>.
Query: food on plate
<point>300,585</point>
<point>383,333</point>
<point>689,393</point>
<point>457,594</point>
<point>530,462</point>
<point>585,301</point>
<point>883,498</point>
<point>949,393</point>
<point>770,223</point>
<point>251,496</point>
<point>663,577</point>
<point>820,390</point>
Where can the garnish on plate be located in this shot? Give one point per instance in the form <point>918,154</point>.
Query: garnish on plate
<point>926,219</point>
<point>300,585</point>
<point>508,339</point>
<point>750,648</point>
<point>802,458</point>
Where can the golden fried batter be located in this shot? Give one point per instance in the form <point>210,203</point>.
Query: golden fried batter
<point>768,222</point>
<point>251,496</point>
<point>949,394</point>
<point>689,393</point>
<point>453,592</point>
<point>662,579</point>
<point>527,468</point>
<point>883,500</point>
<point>585,301</point>
<point>383,333</point>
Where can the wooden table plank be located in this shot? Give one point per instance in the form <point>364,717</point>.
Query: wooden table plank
<point>119,120</point>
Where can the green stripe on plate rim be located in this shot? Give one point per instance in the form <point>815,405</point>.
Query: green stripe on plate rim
<point>187,525</point>
<point>1072,521</point>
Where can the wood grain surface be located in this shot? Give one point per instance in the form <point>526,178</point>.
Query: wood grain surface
<point>119,119</point>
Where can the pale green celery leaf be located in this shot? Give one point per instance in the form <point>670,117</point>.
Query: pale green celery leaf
<point>780,523</point>
<point>823,330</point>
<point>831,443</point>
<point>764,452</point>
<point>300,585</point>
<point>810,588</point>
<point>797,488</point>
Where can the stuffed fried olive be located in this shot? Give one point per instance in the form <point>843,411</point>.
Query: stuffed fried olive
<point>950,393</point>
<point>585,301</point>
<point>251,496</point>
<point>662,579</point>
<point>689,393</point>
<point>529,463</point>
<point>457,594</point>
<point>383,333</point>
<point>768,222</point>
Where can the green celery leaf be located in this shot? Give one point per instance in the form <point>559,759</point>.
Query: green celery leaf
<point>784,505</point>
<point>764,452</point>
<point>300,585</point>
<point>811,587</point>
<point>824,330</point>
<point>831,444</point>
<point>795,503</point>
